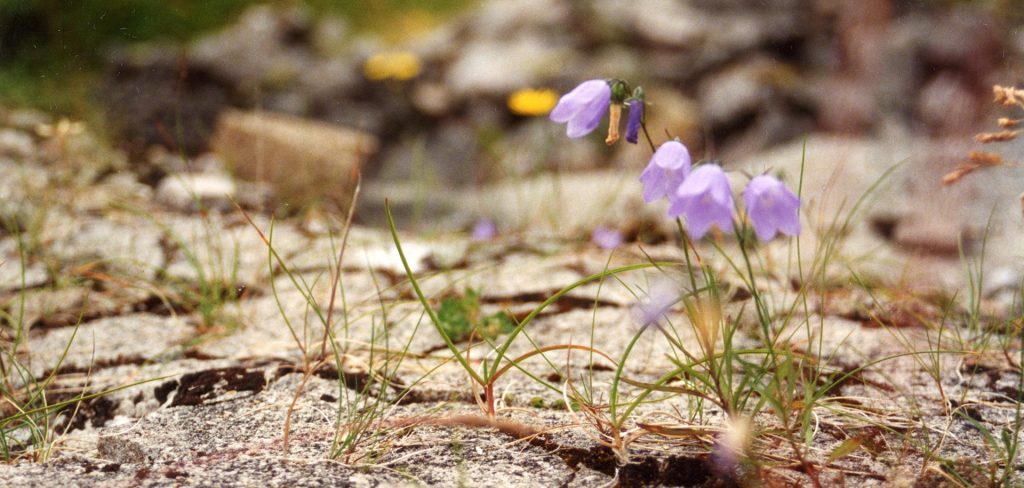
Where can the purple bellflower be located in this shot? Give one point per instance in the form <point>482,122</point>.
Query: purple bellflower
<point>661,296</point>
<point>636,116</point>
<point>704,199</point>
<point>666,171</point>
<point>606,238</point>
<point>583,107</point>
<point>772,207</point>
<point>484,230</point>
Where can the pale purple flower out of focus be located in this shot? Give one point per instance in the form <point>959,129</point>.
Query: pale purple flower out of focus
<point>484,230</point>
<point>606,238</point>
<point>772,207</point>
<point>730,447</point>
<point>583,107</point>
<point>661,296</point>
<point>636,117</point>
<point>666,171</point>
<point>705,199</point>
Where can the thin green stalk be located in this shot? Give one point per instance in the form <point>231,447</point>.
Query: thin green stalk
<point>426,304</point>
<point>613,396</point>
<point>558,295</point>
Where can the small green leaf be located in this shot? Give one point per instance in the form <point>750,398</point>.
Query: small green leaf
<point>460,316</point>
<point>845,448</point>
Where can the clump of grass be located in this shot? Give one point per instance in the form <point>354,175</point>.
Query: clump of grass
<point>368,385</point>
<point>29,408</point>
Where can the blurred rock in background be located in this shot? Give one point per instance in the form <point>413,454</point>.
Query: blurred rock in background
<point>733,79</point>
<point>757,73</point>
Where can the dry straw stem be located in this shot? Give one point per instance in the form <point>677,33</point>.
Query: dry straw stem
<point>1008,123</point>
<point>1001,136</point>
<point>976,160</point>
<point>614,116</point>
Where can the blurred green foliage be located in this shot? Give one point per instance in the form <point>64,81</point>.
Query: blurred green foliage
<point>50,50</point>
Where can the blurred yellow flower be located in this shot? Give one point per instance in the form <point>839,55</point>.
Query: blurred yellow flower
<point>63,127</point>
<point>531,102</point>
<point>397,65</point>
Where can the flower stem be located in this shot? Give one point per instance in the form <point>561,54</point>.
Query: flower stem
<point>762,310</point>
<point>643,125</point>
<point>687,244</point>
<point>613,396</point>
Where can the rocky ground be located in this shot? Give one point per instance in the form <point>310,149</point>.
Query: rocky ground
<point>167,302</point>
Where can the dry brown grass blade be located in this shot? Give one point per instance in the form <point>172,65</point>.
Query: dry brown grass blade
<point>1001,136</point>
<point>680,430</point>
<point>1008,123</point>
<point>509,427</point>
<point>976,161</point>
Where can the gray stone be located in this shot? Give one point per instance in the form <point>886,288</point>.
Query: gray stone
<point>564,204</point>
<point>216,250</point>
<point>253,53</point>
<point>500,20</point>
<point>106,341</point>
<point>528,150</point>
<point>737,92</point>
<point>14,270</point>
<point>329,78</point>
<point>330,36</point>
<point>497,68</point>
<point>124,243</point>
<point>368,249</point>
<point>676,24</point>
<point>433,99</point>
<point>911,222</point>
<point>16,144</point>
<point>59,307</point>
<point>119,190</point>
<point>21,185</point>
<point>189,192</point>
<point>26,119</point>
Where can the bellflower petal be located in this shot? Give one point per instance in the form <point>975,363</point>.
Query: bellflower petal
<point>705,200</point>
<point>666,171</point>
<point>636,116</point>
<point>672,155</point>
<point>772,207</point>
<point>583,107</point>
<point>659,182</point>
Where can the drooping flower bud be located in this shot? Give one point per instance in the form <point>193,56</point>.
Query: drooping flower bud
<point>666,171</point>
<point>636,117</point>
